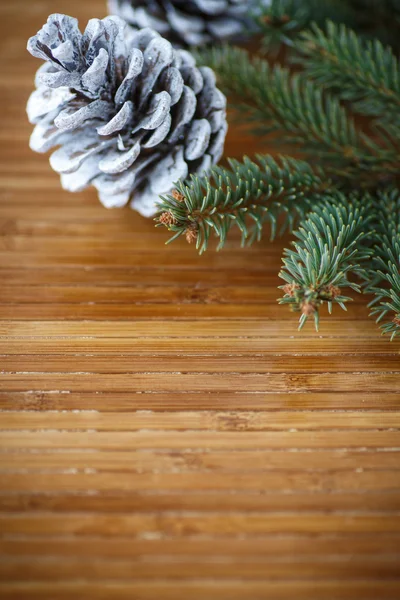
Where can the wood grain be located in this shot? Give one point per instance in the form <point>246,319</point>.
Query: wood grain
<point>166,433</point>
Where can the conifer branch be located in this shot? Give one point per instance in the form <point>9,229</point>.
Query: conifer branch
<point>313,121</point>
<point>247,195</point>
<point>363,72</point>
<point>342,235</point>
<point>332,245</point>
<point>385,273</point>
<point>282,21</point>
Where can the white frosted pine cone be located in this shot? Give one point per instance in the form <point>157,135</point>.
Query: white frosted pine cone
<point>130,114</point>
<point>188,22</point>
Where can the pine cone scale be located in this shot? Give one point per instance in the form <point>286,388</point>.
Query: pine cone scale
<point>200,133</point>
<point>159,134</point>
<point>119,121</point>
<point>117,162</point>
<point>70,156</point>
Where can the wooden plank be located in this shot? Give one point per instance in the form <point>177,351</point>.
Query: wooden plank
<point>183,311</point>
<point>207,440</point>
<point>270,363</point>
<point>83,256</point>
<point>137,294</point>
<point>112,276</point>
<point>268,546</point>
<point>34,569</point>
<point>235,500</point>
<point>145,234</point>
<point>216,421</point>
<point>174,401</point>
<point>235,590</point>
<point>295,344</point>
<point>360,481</point>
<point>198,524</point>
<point>168,329</point>
<point>245,460</point>
<point>197,309</point>
<point>222,382</point>
<point>190,306</point>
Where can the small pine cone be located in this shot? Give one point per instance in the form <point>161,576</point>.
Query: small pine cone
<point>290,289</point>
<point>308,308</point>
<point>191,234</point>
<point>130,114</point>
<point>167,219</point>
<point>177,196</point>
<point>188,22</point>
<point>333,291</point>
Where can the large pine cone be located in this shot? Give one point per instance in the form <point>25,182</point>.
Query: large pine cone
<point>131,114</point>
<point>187,22</point>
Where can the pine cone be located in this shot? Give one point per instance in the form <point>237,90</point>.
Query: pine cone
<point>131,114</point>
<point>187,22</point>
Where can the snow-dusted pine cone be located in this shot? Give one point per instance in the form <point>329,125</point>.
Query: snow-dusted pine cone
<point>187,22</point>
<point>130,114</point>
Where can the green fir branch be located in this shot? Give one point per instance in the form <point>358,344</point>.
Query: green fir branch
<point>365,73</point>
<point>332,246</point>
<point>343,234</point>
<point>313,121</point>
<point>248,195</point>
<point>385,272</point>
<point>282,21</point>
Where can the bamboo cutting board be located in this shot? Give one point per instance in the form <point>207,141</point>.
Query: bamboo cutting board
<point>166,434</point>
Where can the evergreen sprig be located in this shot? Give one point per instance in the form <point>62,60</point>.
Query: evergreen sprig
<point>282,21</point>
<point>313,121</point>
<point>332,245</point>
<point>385,272</point>
<point>247,195</point>
<point>347,238</point>
<point>364,72</point>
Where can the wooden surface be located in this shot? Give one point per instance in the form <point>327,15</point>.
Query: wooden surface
<point>166,432</point>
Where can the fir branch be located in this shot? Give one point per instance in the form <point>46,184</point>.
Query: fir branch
<point>332,245</point>
<point>363,72</point>
<point>313,121</point>
<point>385,272</point>
<point>282,21</point>
<point>247,195</point>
